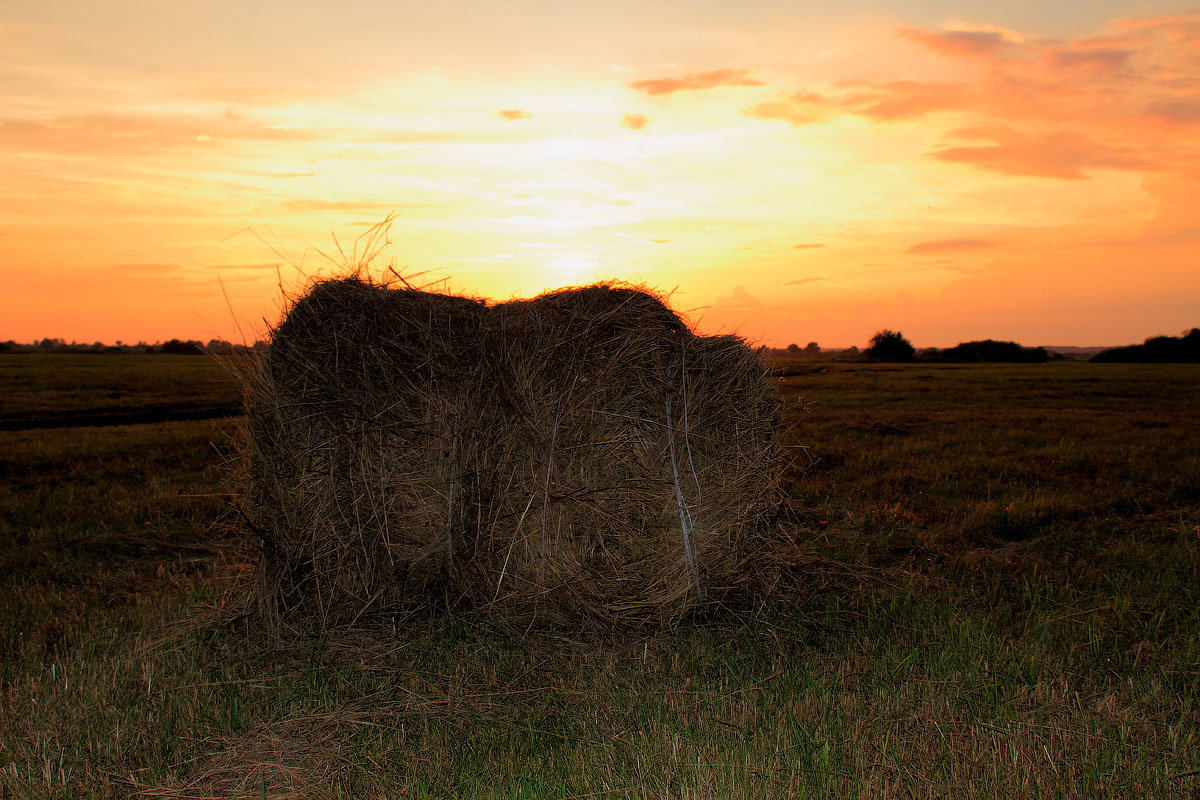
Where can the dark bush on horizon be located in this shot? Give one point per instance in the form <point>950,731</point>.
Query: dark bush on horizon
<point>190,347</point>
<point>810,351</point>
<point>887,345</point>
<point>177,347</point>
<point>990,350</point>
<point>1156,350</point>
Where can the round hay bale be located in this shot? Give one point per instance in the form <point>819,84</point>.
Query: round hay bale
<point>630,476</point>
<point>356,418</point>
<point>581,456</point>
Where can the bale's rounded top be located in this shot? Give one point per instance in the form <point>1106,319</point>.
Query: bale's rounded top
<point>610,305</point>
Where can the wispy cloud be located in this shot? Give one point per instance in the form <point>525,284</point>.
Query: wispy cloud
<point>696,82</point>
<point>335,205</point>
<point>813,246</point>
<point>1066,155</point>
<point>112,133</point>
<point>261,267</point>
<point>1182,110</point>
<point>1106,60</point>
<point>952,246</point>
<point>798,108</point>
<point>738,299</point>
<point>1123,99</point>
<point>135,270</point>
<point>635,122</point>
<point>983,41</point>
<point>420,137</point>
<point>514,114</point>
<point>802,281</point>
<point>883,102</point>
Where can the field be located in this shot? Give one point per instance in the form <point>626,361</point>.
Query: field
<point>47,391</point>
<point>999,596</point>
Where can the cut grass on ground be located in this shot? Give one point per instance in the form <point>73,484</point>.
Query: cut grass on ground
<point>63,390</point>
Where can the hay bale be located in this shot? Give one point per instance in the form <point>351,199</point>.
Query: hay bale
<point>354,418</point>
<point>579,456</point>
<point>633,462</point>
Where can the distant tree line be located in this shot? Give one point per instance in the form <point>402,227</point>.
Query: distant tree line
<point>885,346</point>
<point>991,350</point>
<point>180,347</point>
<point>1183,349</point>
<point>888,345</point>
<point>892,346</point>
<point>812,350</point>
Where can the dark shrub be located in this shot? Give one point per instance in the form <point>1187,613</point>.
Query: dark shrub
<point>890,346</point>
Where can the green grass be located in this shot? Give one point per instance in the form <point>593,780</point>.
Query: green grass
<point>1000,601</point>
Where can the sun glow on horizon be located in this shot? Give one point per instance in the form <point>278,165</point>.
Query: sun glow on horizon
<point>570,269</point>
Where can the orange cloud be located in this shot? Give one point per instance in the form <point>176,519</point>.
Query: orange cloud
<point>1061,154</point>
<point>133,133</point>
<point>1124,99</point>
<point>802,281</point>
<point>140,270</point>
<point>1183,110</point>
<point>969,43</point>
<point>807,246</point>
<point>738,299</point>
<point>635,122</point>
<point>1104,79</point>
<point>951,246</point>
<point>697,81</point>
<point>335,205</point>
<point>1106,60</point>
<point>514,114</point>
<point>1185,26</point>
<point>901,99</point>
<point>883,102</point>
<point>222,268</point>
<point>799,108</point>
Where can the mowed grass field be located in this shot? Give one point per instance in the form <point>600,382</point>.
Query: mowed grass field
<point>998,595</point>
<point>64,390</point>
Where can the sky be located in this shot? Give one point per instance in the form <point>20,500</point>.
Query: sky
<point>787,171</point>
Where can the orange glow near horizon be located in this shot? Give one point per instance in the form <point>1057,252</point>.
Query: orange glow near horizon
<point>1014,176</point>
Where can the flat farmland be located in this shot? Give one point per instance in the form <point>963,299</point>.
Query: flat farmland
<point>997,594</point>
<point>65,390</point>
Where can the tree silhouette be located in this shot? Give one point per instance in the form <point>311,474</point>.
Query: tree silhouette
<point>181,348</point>
<point>1157,349</point>
<point>992,350</point>
<point>887,345</point>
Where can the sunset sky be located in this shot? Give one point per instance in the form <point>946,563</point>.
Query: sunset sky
<point>791,171</point>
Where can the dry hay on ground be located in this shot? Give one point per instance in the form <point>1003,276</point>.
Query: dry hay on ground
<point>291,759</point>
<point>579,456</point>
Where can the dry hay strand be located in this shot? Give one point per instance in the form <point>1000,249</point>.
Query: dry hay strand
<point>579,456</point>
<point>290,759</point>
